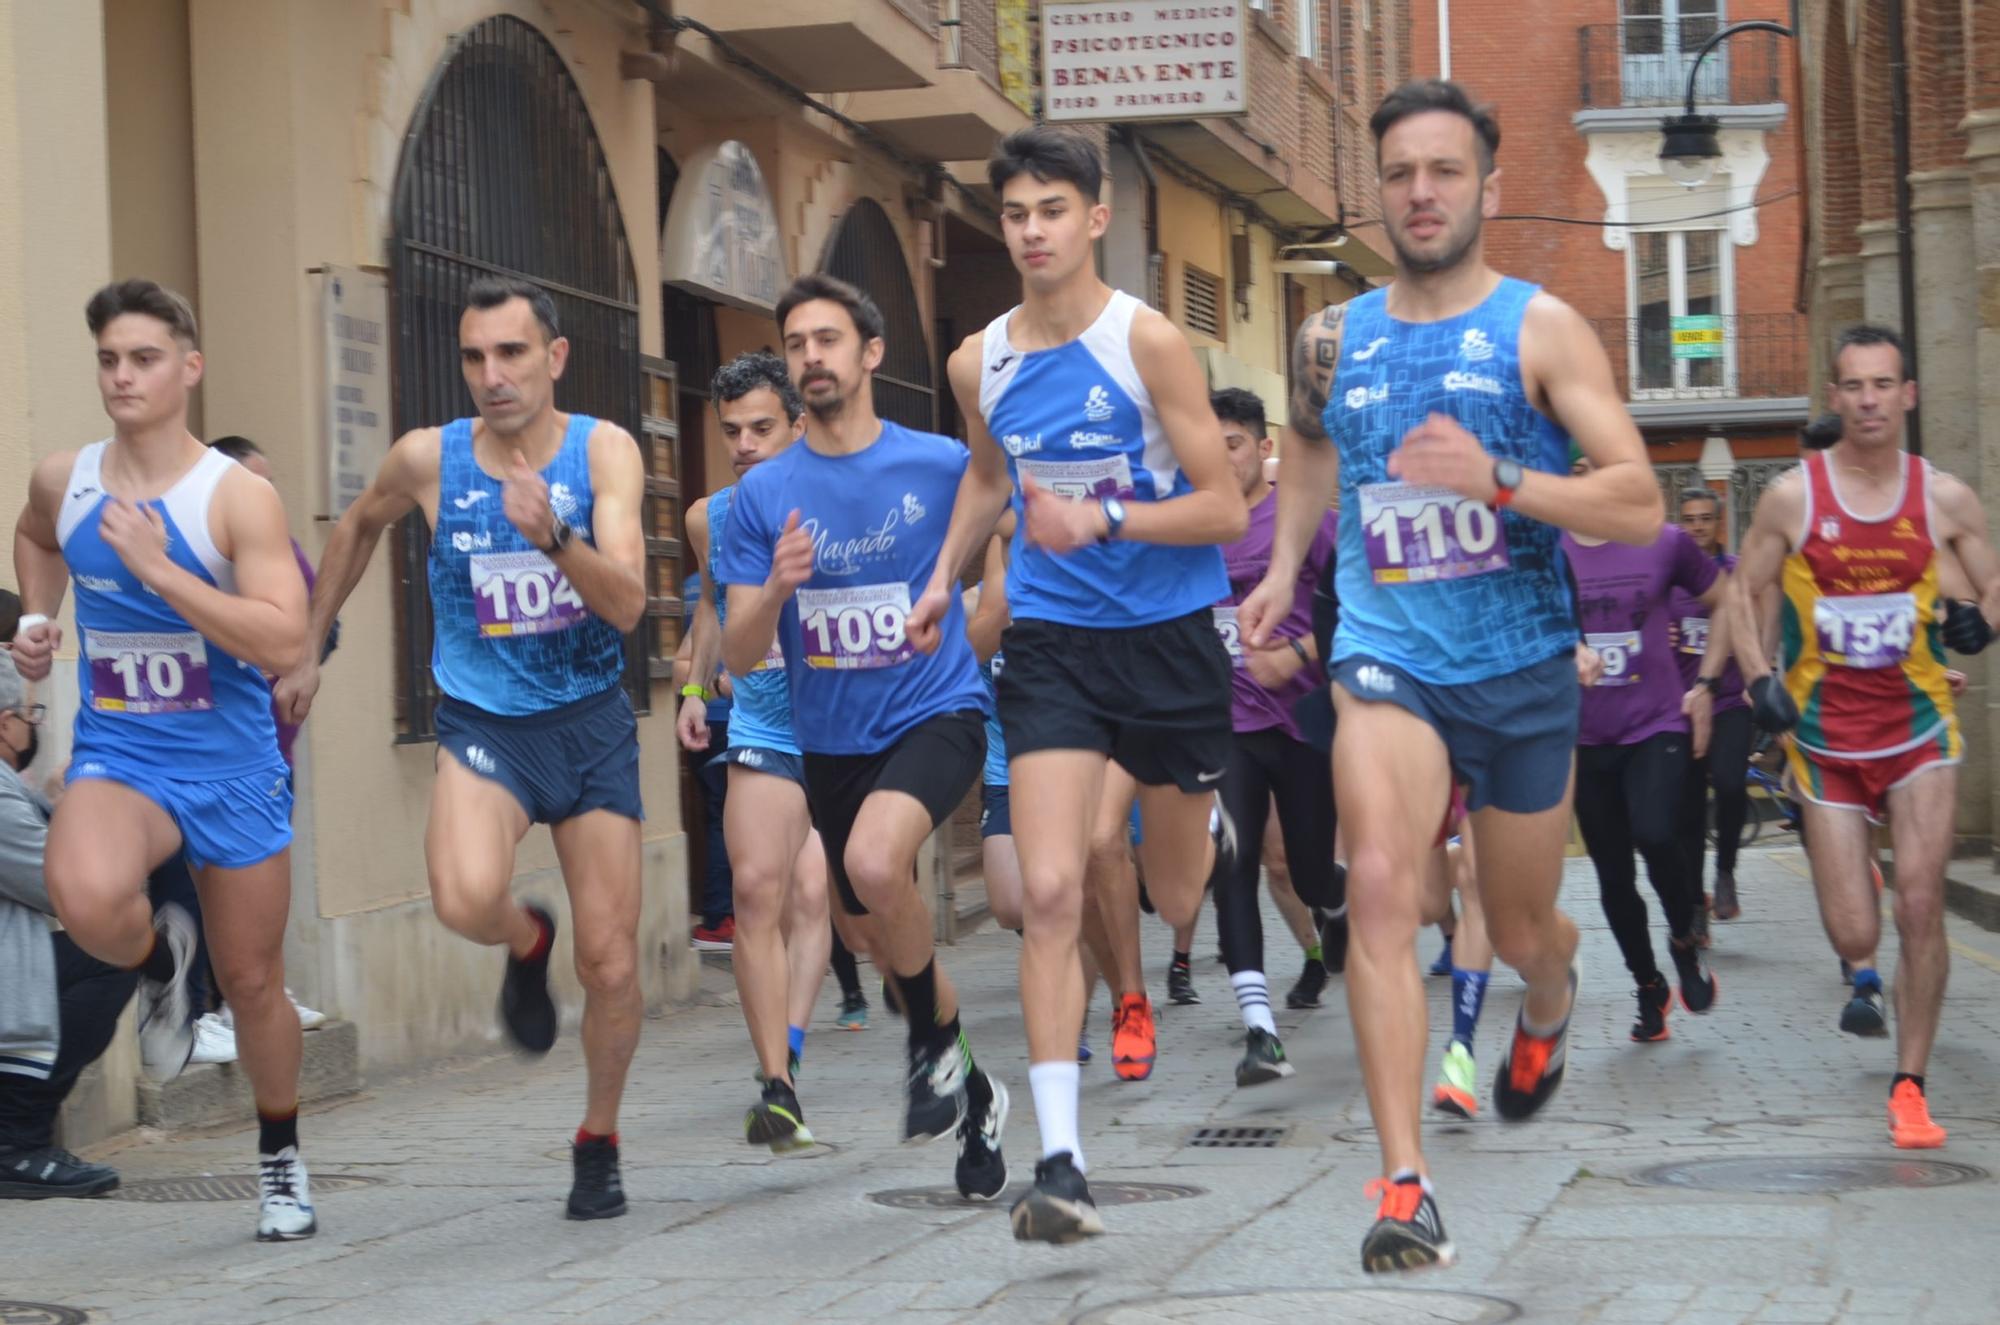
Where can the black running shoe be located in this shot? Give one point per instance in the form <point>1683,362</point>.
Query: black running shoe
<point>596,1192</point>
<point>526,1009</point>
<point>34,1175</point>
<point>1697,981</point>
<point>937,1102</point>
<point>1865,1015</point>
<point>1408,1234</point>
<point>982,1168</point>
<point>1305,994</point>
<point>1654,999</point>
<point>1180,985</point>
<point>1058,1207</point>
<point>1333,943</point>
<point>1533,1066</point>
<point>1263,1059</point>
<point>778,1121</point>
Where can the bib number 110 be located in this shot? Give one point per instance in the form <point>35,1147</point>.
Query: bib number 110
<point>1475,527</point>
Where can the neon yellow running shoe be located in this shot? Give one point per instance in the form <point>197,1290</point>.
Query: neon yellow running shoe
<point>1457,1089</point>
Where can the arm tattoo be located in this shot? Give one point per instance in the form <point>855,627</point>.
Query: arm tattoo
<point>1315,353</point>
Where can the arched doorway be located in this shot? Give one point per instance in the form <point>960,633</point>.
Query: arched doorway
<point>501,174</point>
<point>865,252</point>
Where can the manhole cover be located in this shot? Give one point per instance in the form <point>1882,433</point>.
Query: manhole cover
<point>230,1187</point>
<point>1537,1137</point>
<point>40,1313</point>
<point>1800,1175</point>
<point>1351,1306</point>
<point>1853,1129</point>
<point>1103,1193</point>
<point>1237,1138</point>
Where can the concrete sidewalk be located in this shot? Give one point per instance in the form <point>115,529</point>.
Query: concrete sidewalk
<point>1669,1182</point>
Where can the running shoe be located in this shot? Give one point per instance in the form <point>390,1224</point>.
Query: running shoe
<point>778,1121</point>
<point>1312,980</point>
<point>1180,985</point>
<point>1702,938</point>
<point>982,1168</point>
<point>1534,1064</point>
<point>1865,1014</point>
<point>214,1038</point>
<point>1654,999</point>
<point>1457,1088</point>
<point>1726,905</point>
<point>719,937</point>
<point>1408,1234</point>
<point>1442,966</point>
<point>310,1019</point>
<point>853,1012</point>
<point>1134,1040</point>
<point>32,1175</point>
<point>526,1009</point>
<point>936,1093</point>
<point>595,1191</point>
<point>1263,1059</point>
<point>1698,985</point>
<point>1058,1207</point>
<point>1910,1125</point>
<point>284,1210</point>
<point>166,1014</point>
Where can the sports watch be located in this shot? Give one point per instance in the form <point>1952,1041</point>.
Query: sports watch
<point>1506,478</point>
<point>559,537</point>
<point>1114,517</point>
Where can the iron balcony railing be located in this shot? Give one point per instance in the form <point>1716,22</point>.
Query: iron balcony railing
<point>1645,62</point>
<point>1734,357</point>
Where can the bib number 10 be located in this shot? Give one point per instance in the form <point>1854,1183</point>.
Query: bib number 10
<point>143,674</point>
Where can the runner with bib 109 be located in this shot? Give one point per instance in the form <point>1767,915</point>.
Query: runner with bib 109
<point>1452,395</point>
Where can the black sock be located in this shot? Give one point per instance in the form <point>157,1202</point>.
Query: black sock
<point>1181,959</point>
<point>919,993</point>
<point>274,1133</point>
<point>159,962</point>
<point>1901,1077</point>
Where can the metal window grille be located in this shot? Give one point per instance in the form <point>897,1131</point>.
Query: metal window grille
<point>865,252</point>
<point>502,174</point>
<point>1201,299</point>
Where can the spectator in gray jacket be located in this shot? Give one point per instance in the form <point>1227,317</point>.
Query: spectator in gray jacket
<point>59,1006</point>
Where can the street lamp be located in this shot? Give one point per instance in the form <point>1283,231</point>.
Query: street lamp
<point>1688,146</point>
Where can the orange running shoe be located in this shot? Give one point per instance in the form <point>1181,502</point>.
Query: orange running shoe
<point>1134,1042</point>
<point>1407,1234</point>
<point>1910,1125</point>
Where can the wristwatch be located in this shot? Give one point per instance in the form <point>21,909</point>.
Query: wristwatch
<point>1709,683</point>
<point>559,537</point>
<point>1114,517</point>
<point>1506,478</point>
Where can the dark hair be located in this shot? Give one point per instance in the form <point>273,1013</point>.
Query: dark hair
<point>236,448</point>
<point>146,297</point>
<point>1821,433</point>
<point>1053,156</point>
<point>493,291</point>
<point>1426,94</point>
<point>1702,494</point>
<point>1866,333</point>
<point>1232,404</point>
<point>818,285</point>
<point>746,373</point>
<point>10,615</point>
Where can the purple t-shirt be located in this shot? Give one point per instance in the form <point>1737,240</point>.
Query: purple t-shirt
<point>1688,625</point>
<point>1252,707</point>
<point>1625,593</point>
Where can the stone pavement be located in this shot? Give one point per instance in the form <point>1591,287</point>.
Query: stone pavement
<point>457,1212</point>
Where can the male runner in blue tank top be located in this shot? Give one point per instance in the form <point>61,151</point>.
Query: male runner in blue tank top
<point>186,595</point>
<point>1091,407</point>
<point>779,867</point>
<point>536,574</point>
<point>826,545</point>
<point>1451,395</point>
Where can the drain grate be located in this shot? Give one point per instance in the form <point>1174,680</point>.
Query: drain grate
<point>1802,1175</point>
<point>227,1187</point>
<point>1103,1193</point>
<point>1310,1306</point>
<point>1238,1138</point>
<point>40,1313</point>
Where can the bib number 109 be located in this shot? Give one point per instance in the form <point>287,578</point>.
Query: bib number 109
<point>861,627</point>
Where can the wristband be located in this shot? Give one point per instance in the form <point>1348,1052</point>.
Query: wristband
<point>1300,649</point>
<point>29,621</point>
<point>692,691</point>
<point>1709,683</point>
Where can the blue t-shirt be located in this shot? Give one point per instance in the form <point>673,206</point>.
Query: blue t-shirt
<point>877,519</point>
<point>996,743</point>
<point>760,716</point>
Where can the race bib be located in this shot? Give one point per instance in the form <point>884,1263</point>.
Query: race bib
<point>1694,635</point>
<point>1082,480</point>
<point>522,593</point>
<point>858,627</point>
<point>1415,535</point>
<point>1231,633</point>
<point>1617,648</point>
<point>1866,631</point>
<point>773,661</point>
<point>146,674</point>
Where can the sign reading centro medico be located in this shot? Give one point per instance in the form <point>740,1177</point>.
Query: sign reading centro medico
<point>1115,60</point>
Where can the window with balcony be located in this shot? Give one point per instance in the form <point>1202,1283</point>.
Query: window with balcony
<point>1658,40</point>
<point>1681,297</point>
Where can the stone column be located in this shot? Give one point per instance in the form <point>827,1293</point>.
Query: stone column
<point>1881,283</point>
<point>1980,272</point>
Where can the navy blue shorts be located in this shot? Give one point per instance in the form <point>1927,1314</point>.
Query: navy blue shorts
<point>1511,738</point>
<point>996,817</point>
<point>763,759</point>
<point>559,764</point>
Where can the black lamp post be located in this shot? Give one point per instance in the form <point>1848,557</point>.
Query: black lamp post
<point>1688,147</point>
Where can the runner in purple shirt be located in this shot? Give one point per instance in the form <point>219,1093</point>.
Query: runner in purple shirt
<point>1268,755</point>
<point>1640,725</point>
<point>1726,765</point>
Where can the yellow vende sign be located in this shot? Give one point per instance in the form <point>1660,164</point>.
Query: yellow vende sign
<point>1697,336</point>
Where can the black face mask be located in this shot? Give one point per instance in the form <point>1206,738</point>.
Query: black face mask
<point>27,753</point>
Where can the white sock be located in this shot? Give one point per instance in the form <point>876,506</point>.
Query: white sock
<point>1253,1000</point>
<point>1055,1089</point>
<point>1402,1175</point>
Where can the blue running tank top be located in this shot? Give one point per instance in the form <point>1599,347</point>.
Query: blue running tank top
<point>154,693</point>
<point>996,741</point>
<point>1447,589</point>
<point>762,714</point>
<point>511,636</point>
<point>1079,421</point>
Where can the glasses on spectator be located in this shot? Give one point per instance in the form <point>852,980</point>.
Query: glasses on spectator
<point>32,714</point>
